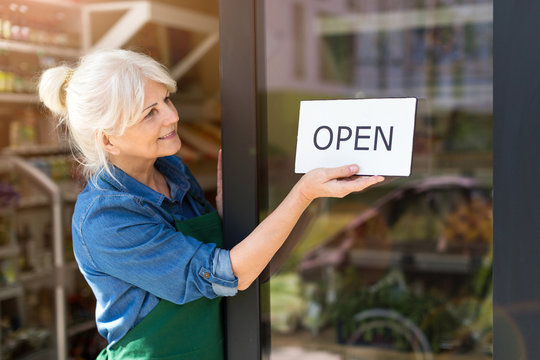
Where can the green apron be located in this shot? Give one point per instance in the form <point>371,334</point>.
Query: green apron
<point>192,331</point>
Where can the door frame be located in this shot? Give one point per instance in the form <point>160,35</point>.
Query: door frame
<point>242,87</point>
<point>516,180</point>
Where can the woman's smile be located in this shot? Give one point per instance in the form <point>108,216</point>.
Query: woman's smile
<point>168,136</point>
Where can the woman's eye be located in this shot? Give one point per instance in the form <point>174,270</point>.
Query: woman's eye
<point>167,99</point>
<point>150,113</point>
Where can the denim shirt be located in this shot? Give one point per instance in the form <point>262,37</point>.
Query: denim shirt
<point>130,253</point>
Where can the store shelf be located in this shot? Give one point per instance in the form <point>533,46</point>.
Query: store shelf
<point>9,251</point>
<point>406,19</point>
<point>10,292</point>
<point>34,48</point>
<point>423,262</point>
<point>443,263</point>
<point>40,355</point>
<point>33,202</point>
<point>18,98</point>
<point>61,3</point>
<point>36,150</point>
<point>8,211</point>
<point>82,327</point>
<point>40,201</point>
<point>34,276</point>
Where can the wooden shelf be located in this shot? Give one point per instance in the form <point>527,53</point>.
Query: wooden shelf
<point>7,210</point>
<point>18,98</point>
<point>41,354</point>
<point>36,48</point>
<point>36,150</point>
<point>81,327</point>
<point>33,202</point>
<point>61,3</point>
<point>9,251</point>
<point>10,292</point>
<point>36,275</point>
<point>423,262</point>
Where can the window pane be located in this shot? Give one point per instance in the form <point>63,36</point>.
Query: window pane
<point>403,270</point>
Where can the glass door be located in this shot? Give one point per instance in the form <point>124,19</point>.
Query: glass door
<point>403,270</point>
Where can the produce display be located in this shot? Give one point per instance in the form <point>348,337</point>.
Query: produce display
<point>469,224</point>
<point>420,254</point>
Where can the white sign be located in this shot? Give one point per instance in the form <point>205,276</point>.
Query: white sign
<point>375,134</point>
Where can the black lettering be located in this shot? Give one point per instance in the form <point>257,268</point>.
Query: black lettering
<point>339,138</point>
<point>315,138</point>
<point>358,136</point>
<point>388,144</point>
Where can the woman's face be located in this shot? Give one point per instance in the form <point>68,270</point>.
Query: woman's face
<point>155,134</point>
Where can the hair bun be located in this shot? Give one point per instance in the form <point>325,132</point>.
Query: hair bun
<point>52,89</point>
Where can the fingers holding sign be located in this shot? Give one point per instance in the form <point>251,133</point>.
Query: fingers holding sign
<point>334,182</point>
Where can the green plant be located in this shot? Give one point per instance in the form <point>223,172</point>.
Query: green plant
<point>428,311</point>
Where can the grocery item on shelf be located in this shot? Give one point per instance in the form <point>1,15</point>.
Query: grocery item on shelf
<point>18,70</point>
<point>23,129</point>
<point>9,196</point>
<point>7,273</point>
<point>23,342</point>
<point>25,23</point>
<point>470,223</point>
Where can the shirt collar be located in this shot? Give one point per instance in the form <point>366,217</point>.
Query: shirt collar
<point>174,174</point>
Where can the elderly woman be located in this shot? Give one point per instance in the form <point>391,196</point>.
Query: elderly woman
<point>146,240</point>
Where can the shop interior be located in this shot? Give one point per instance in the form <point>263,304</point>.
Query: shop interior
<point>46,307</point>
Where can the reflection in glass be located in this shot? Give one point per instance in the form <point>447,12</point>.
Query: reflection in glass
<point>402,271</point>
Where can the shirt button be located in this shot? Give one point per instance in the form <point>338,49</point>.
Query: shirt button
<point>206,275</point>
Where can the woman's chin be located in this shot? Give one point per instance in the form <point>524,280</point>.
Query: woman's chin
<point>170,147</point>
<point>177,146</point>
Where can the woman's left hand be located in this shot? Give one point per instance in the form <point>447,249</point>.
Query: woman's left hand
<point>219,196</point>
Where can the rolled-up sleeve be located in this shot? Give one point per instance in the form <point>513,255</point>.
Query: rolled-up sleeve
<point>225,282</point>
<point>127,240</point>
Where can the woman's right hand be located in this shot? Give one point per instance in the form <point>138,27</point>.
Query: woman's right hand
<point>334,182</point>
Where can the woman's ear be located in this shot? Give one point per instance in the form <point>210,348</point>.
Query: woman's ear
<point>108,145</point>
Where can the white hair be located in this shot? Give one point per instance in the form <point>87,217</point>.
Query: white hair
<point>103,95</point>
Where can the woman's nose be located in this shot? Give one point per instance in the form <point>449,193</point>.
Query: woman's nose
<point>171,115</point>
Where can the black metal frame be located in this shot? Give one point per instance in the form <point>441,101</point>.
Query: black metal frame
<point>244,161</point>
<point>516,180</point>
